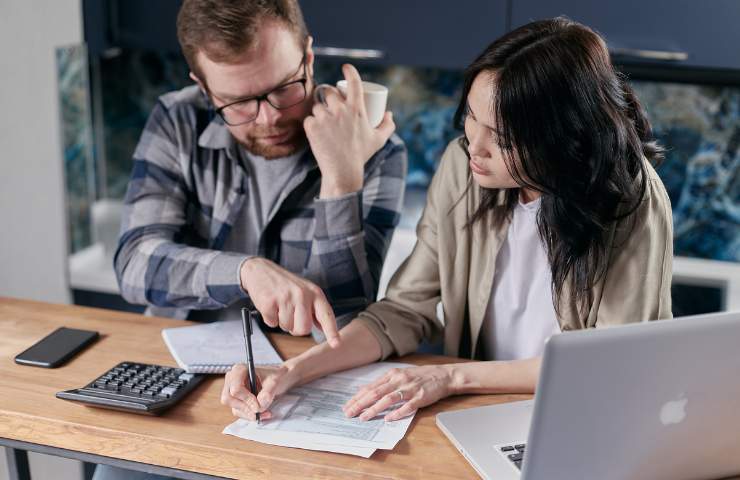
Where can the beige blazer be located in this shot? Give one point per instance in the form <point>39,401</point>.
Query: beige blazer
<point>455,266</point>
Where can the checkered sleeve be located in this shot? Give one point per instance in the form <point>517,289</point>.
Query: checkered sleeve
<point>153,264</point>
<point>353,232</point>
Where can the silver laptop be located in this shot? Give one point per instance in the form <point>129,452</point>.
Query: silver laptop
<point>657,400</point>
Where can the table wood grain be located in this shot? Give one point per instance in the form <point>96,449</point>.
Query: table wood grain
<point>187,437</point>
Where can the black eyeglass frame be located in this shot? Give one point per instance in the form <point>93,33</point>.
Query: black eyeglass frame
<point>265,96</point>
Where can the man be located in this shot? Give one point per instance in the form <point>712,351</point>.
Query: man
<point>244,189</point>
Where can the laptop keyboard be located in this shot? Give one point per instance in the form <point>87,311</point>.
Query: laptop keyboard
<point>514,452</point>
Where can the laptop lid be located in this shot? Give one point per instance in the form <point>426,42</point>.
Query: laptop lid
<point>654,400</point>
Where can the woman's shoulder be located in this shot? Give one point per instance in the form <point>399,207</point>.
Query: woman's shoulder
<point>656,197</point>
<point>452,175</point>
<point>652,215</point>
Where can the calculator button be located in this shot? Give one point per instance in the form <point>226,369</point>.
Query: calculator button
<point>186,377</point>
<point>168,391</point>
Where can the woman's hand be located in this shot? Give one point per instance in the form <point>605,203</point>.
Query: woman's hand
<point>416,387</point>
<point>271,382</point>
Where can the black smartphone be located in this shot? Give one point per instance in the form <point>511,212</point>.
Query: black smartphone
<point>56,348</point>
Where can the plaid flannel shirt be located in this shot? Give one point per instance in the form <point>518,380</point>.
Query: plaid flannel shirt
<point>186,189</point>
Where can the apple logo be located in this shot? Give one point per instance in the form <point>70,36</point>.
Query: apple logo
<point>674,411</point>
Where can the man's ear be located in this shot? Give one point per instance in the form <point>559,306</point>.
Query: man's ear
<point>309,56</point>
<point>194,78</point>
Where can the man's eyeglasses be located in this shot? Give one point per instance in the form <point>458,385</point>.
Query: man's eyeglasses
<point>281,97</point>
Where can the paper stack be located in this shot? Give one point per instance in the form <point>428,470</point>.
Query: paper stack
<point>311,417</point>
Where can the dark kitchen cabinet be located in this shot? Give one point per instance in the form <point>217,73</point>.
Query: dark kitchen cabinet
<point>434,33</point>
<point>130,24</point>
<point>446,34</point>
<point>449,34</point>
<point>682,33</point>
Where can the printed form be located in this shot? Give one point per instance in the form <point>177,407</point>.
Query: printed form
<point>311,417</point>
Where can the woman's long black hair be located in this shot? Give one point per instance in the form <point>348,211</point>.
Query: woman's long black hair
<point>571,128</point>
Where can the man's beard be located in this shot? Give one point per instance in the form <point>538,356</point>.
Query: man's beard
<point>293,144</point>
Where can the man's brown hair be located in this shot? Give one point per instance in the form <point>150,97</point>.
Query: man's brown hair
<point>223,29</point>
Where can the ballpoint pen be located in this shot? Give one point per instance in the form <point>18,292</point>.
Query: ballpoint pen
<point>247,314</point>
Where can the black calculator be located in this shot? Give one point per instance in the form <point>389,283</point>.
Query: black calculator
<point>136,387</point>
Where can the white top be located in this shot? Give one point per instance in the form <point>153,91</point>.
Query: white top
<point>520,314</point>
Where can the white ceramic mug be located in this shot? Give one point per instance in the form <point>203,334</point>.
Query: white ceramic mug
<point>374,94</point>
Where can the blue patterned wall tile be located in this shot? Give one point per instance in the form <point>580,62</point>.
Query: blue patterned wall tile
<point>76,142</point>
<point>700,126</point>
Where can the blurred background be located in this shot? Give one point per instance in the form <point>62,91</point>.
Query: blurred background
<point>79,78</point>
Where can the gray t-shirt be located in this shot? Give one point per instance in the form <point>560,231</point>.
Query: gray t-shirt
<point>267,181</point>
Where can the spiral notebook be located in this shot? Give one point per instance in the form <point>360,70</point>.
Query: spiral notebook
<point>216,347</point>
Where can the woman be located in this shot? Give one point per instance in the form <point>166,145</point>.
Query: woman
<point>546,216</point>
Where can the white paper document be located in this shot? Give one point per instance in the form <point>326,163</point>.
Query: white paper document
<point>215,347</point>
<point>311,417</point>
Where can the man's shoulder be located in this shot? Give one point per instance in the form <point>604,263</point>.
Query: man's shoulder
<point>390,161</point>
<point>393,151</point>
<point>182,115</point>
<point>187,106</point>
<point>394,145</point>
<point>188,98</point>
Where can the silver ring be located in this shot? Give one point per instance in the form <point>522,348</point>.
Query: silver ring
<point>400,395</point>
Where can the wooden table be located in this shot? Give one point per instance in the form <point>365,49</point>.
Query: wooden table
<point>186,441</point>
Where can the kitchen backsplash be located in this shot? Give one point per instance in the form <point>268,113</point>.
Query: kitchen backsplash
<point>699,125</point>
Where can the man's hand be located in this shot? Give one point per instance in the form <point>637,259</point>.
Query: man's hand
<point>243,403</point>
<point>288,300</point>
<point>341,138</point>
